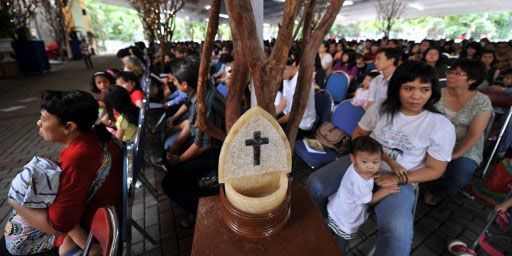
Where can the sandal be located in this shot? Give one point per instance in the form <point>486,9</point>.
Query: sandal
<point>459,248</point>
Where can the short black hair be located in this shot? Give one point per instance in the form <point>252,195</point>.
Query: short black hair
<point>366,144</point>
<point>392,53</point>
<point>294,55</point>
<point>372,74</point>
<point>474,69</point>
<point>130,76</point>
<point>187,70</point>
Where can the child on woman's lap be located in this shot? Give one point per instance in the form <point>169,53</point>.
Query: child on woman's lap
<point>347,208</point>
<point>35,186</point>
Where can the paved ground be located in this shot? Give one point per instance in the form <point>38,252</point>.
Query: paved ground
<point>458,217</point>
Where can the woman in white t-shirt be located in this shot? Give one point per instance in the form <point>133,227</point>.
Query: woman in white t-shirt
<point>417,142</point>
<point>325,57</point>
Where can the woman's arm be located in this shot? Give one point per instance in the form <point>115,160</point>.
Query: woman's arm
<point>433,170</point>
<point>138,103</point>
<point>358,132</point>
<point>78,236</point>
<point>476,128</point>
<point>37,218</point>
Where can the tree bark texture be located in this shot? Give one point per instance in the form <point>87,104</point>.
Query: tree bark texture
<point>306,68</point>
<point>202,122</point>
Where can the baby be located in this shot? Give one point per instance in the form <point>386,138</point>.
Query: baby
<point>362,93</point>
<point>347,207</point>
<point>35,186</point>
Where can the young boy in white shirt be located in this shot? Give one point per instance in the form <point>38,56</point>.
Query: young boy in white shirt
<point>347,208</point>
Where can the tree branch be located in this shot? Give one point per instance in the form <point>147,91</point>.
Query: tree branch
<point>244,26</point>
<point>306,68</point>
<point>202,122</point>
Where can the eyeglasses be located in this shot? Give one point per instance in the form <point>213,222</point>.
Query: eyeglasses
<point>455,73</point>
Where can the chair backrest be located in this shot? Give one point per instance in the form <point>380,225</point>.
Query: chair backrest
<point>137,148</point>
<point>346,116</point>
<point>323,105</point>
<point>104,230</point>
<point>124,202</point>
<point>223,89</point>
<point>337,85</point>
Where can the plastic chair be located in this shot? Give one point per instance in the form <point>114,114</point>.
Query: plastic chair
<point>223,89</point>
<point>104,230</point>
<point>345,117</point>
<point>323,105</point>
<point>337,85</point>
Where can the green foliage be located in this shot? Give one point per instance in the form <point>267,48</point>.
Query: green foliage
<point>497,26</point>
<point>114,22</point>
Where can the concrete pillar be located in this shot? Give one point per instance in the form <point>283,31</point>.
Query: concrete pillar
<point>257,7</point>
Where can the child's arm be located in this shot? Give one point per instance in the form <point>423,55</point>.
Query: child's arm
<point>503,207</point>
<point>383,192</point>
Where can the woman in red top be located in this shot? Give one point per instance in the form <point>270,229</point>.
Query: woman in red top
<point>69,118</point>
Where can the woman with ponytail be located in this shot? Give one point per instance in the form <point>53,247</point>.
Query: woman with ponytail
<point>91,164</point>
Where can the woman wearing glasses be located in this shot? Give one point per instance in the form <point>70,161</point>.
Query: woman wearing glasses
<point>469,111</point>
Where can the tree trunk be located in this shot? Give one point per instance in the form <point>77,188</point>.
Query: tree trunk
<point>202,122</point>
<point>306,68</point>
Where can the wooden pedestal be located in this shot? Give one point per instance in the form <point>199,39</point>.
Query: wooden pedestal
<point>304,234</point>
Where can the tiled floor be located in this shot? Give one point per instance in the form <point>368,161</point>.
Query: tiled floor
<point>458,217</point>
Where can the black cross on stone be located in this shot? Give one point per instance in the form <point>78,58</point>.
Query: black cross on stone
<point>256,144</point>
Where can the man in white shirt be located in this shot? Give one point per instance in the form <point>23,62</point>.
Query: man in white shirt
<point>290,75</point>
<point>386,61</point>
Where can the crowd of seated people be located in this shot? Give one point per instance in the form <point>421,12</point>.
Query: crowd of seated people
<point>428,134</point>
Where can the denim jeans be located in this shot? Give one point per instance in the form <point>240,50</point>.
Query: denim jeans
<point>457,175</point>
<point>394,212</point>
<point>326,181</point>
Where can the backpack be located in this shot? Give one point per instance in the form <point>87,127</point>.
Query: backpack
<point>332,137</point>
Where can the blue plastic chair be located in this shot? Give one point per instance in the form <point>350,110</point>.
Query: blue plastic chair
<point>223,89</point>
<point>346,116</point>
<point>337,85</point>
<point>323,105</point>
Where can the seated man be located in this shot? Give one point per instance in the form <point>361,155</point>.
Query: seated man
<point>290,75</point>
<point>194,153</point>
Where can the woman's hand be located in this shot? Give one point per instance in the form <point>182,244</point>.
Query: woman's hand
<point>387,180</point>
<point>391,189</point>
<point>501,208</point>
<point>399,171</point>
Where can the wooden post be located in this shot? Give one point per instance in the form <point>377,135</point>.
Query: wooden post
<point>213,25</point>
<point>306,67</point>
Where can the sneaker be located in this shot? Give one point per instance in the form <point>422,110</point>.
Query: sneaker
<point>188,221</point>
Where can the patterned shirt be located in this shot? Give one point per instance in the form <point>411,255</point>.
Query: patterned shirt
<point>462,119</point>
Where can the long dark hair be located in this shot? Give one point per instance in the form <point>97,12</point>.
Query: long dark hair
<point>78,107</point>
<point>118,98</point>
<point>351,58</point>
<point>408,72</point>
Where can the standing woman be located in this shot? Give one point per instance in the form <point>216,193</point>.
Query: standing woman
<point>417,142</point>
<point>470,111</point>
<point>91,164</point>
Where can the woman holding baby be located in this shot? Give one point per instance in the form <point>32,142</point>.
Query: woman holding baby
<point>91,175</point>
